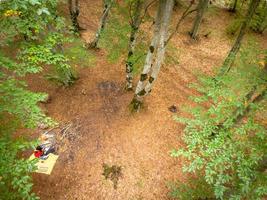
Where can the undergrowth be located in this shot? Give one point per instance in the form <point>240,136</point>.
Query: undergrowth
<point>115,39</point>
<point>257,24</point>
<point>78,54</point>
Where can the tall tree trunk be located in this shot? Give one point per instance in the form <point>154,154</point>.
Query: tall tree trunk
<point>74,13</point>
<point>202,6</point>
<point>232,54</point>
<point>233,8</point>
<point>255,95</point>
<point>103,20</point>
<point>153,46</point>
<point>163,19</point>
<point>135,23</point>
<point>263,24</point>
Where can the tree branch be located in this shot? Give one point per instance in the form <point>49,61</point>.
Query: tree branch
<point>184,15</point>
<point>146,8</point>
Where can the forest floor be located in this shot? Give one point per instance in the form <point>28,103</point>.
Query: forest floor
<point>106,132</point>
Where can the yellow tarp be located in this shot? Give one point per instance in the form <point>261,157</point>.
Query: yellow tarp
<point>45,166</point>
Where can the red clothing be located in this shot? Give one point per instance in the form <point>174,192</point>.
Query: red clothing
<point>38,153</point>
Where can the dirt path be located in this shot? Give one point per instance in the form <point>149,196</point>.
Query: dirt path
<point>109,134</point>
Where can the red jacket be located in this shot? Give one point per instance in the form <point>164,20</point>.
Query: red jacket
<point>38,153</point>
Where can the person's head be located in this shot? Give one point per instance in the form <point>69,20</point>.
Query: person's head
<point>39,148</point>
<point>38,152</point>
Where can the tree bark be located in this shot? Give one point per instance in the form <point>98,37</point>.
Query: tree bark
<point>150,54</point>
<point>233,8</point>
<point>253,96</point>
<point>263,24</point>
<point>74,13</point>
<point>232,54</point>
<point>160,35</point>
<point>135,23</point>
<point>102,24</point>
<point>202,6</point>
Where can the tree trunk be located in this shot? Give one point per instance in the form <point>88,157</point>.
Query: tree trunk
<point>74,13</point>
<point>136,21</point>
<point>150,54</point>
<point>159,39</point>
<point>103,20</point>
<point>233,8</point>
<point>202,6</point>
<point>252,97</point>
<point>232,54</point>
<point>263,24</point>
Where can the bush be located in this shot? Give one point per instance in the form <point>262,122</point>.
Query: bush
<point>48,54</point>
<point>258,22</point>
<point>225,141</point>
<point>191,190</point>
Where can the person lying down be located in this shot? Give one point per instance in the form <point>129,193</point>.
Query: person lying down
<point>43,151</point>
<point>46,147</point>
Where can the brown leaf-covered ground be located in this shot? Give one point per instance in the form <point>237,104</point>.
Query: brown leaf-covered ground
<point>108,133</point>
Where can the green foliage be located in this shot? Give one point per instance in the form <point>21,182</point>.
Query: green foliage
<point>224,142</point>
<point>48,54</point>
<point>234,26</point>
<point>173,55</point>
<point>18,108</point>
<point>258,22</point>
<point>21,23</point>
<point>15,182</point>
<point>24,21</point>
<point>20,18</point>
<point>78,54</point>
<point>192,190</point>
<point>115,38</point>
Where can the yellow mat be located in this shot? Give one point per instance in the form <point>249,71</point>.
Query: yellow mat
<point>45,166</point>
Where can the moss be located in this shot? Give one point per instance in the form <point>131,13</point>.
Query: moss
<point>131,39</point>
<point>129,67</point>
<point>113,173</point>
<point>152,48</point>
<point>135,105</point>
<point>142,92</point>
<point>143,77</point>
<point>151,79</point>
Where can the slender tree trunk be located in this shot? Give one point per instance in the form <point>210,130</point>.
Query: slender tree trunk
<point>263,24</point>
<point>202,6</point>
<point>136,21</point>
<point>74,13</point>
<point>103,20</point>
<point>184,15</point>
<point>150,54</point>
<point>233,8</point>
<point>144,88</point>
<point>252,97</point>
<point>232,54</point>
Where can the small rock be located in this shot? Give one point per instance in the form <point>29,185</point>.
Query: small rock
<point>173,109</point>
<point>83,92</point>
